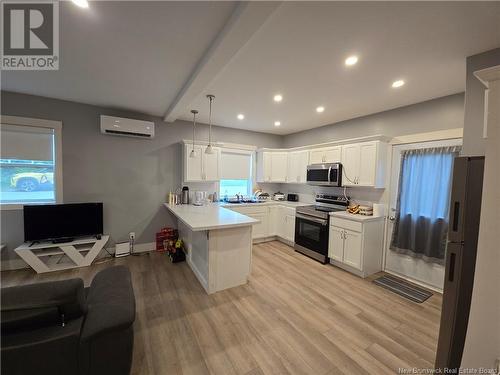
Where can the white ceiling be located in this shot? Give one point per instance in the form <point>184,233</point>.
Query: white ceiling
<point>132,55</point>
<point>162,58</point>
<point>300,53</point>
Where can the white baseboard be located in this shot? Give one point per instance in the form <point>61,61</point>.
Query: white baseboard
<point>18,264</point>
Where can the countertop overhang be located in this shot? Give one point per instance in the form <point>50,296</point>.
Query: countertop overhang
<point>209,217</point>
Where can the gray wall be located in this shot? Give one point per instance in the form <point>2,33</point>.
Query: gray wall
<point>438,114</point>
<point>131,176</point>
<point>474,143</point>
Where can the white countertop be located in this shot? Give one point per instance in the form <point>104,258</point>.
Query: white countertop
<point>266,203</point>
<point>355,217</point>
<point>210,216</point>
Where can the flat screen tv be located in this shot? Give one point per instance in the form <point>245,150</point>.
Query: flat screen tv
<point>62,222</point>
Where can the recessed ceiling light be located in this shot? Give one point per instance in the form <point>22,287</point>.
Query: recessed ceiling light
<point>81,3</point>
<point>278,98</point>
<point>277,123</point>
<point>398,83</point>
<point>241,116</point>
<point>320,109</point>
<point>351,60</point>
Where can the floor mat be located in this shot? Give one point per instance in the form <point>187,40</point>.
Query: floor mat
<point>403,288</point>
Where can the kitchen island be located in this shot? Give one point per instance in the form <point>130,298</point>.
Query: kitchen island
<point>218,244</point>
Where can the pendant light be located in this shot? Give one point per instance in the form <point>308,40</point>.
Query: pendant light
<point>209,149</point>
<point>194,112</point>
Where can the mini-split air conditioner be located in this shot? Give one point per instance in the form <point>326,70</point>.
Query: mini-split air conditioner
<point>127,127</point>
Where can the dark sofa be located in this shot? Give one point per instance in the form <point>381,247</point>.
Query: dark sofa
<point>61,327</point>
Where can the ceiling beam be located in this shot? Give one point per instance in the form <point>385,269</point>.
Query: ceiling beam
<point>244,22</point>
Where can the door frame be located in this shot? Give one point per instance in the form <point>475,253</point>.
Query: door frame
<point>393,186</point>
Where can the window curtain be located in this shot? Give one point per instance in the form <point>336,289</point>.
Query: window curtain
<point>421,224</point>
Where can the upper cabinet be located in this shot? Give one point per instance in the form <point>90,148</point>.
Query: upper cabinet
<point>297,166</point>
<point>325,155</point>
<point>364,164</point>
<point>201,167</point>
<point>272,166</point>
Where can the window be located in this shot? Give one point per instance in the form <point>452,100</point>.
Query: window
<point>29,167</point>
<point>232,187</point>
<point>422,210</point>
<point>235,173</point>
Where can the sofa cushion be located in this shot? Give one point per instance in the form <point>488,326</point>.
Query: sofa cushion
<point>32,306</point>
<point>110,303</point>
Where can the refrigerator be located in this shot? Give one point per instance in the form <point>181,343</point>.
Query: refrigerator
<point>463,232</point>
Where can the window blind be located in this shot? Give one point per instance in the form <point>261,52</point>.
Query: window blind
<point>235,165</point>
<point>26,143</point>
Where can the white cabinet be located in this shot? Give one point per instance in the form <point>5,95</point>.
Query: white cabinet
<point>201,167</point>
<point>285,225</point>
<point>326,155</point>
<point>272,166</point>
<point>336,244</point>
<point>352,249</point>
<point>364,164</point>
<point>261,229</point>
<point>275,220</point>
<point>297,166</point>
<point>357,246</point>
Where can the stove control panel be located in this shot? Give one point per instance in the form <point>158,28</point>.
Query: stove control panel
<point>333,199</point>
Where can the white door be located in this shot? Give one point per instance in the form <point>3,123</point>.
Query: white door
<point>353,249</point>
<point>429,274</point>
<point>336,244</point>
<point>279,166</point>
<point>273,220</point>
<point>297,166</point>
<point>333,154</point>
<point>281,221</point>
<point>316,156</point>
<point>211,165</point>
<point>260,230</point>
<point>367,163</point>
<point>290,227</point>
<point>350,164</point>
<point>193,167</point>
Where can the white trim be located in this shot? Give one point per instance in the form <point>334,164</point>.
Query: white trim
<point>144,247</point>
<point>488,75</point>
<point>228,145</point>
<point>377,137</point>
<point>439,135</point>
<point>41,123</point>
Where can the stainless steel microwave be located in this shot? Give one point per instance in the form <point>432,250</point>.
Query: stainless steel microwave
<point>328,174</point>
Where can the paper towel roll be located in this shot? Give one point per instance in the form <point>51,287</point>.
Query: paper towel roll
<point>379,209</point>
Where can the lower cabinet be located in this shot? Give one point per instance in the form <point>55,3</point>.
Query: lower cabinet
<point>275,220</point>
<point>261,229</point>
<point>357,246</point>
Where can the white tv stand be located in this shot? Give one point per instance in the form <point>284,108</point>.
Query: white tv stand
<point>47,256</point>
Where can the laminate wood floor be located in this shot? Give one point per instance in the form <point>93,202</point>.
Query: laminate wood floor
<point>294,316</point>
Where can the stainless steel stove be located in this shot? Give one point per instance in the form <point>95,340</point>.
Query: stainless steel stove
<point>311,225</point>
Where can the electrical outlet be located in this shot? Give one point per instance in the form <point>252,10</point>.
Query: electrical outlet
<point>131,235</point>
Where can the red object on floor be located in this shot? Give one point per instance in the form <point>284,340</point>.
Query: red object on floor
<point>164,236</point>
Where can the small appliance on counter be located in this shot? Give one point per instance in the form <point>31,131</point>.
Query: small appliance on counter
<point>185,195</point>
<point>200,198</point>
<point>292,197</point>
<point>279,196</point>
<point>260,196</point>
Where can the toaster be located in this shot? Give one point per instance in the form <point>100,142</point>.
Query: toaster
<point>292,197</point>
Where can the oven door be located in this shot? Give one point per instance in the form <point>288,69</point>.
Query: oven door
<point>312,233</point>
